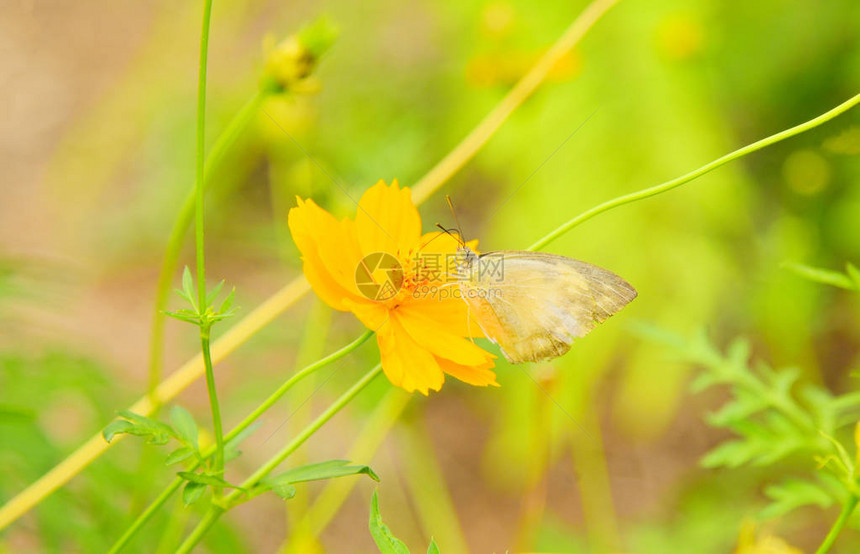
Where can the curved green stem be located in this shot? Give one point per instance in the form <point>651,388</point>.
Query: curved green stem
<point>183,221</point>
<point>147,514</point>
<point>233,498</point>
<point>840,522</point>
<point>674,183</point>
<point>300,439</point>
<point>213,401</point>
<point>208,521</point>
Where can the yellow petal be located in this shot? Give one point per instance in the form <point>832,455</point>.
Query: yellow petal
<point>433,336</point>
<point>479,376</point>
<point>308,223</point>
<point>450,312</point>
<point>372,314</point>
<point>387,220</point>
<point>406,364</point>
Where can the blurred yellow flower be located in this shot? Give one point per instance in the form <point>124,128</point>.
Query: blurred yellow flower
<point>377,267</point>
<point>749,543</point>
<point>680,37</point>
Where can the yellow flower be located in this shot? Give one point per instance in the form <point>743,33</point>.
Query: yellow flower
<point>749,542</point>
<point>377,266</point>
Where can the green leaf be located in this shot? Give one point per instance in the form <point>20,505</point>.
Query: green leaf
<point>192,492</point>
<point>730,454</point>
<point>284,490</point>
<point>433,548</point>
<point>820,275</point>
<point>205,479</point>
<point>116,427</point>
<point>188,285</point>
<point>227,303</point>
<point>182,453</point>
<point>385,541</point>
<point>157,432</point>
<point>322,470</point>
<point>792,494</point>
<point>231,450</point>
<point>185,315</point>
<point>213,294</point>
<point>185,426</point>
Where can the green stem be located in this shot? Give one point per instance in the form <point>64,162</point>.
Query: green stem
<point>213,400</point>
<point>244,424</point>
<point>201,148</point>
<point>300,439</point>
<point>208,521</point>
<point>669,185</point>
<point>183,221</point>
<point>202,304</point>
<point>145,516</point>
<point>232,499</point>
<point>840,522</point>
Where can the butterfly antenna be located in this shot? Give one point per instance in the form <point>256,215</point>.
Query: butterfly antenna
<point>462,240</point>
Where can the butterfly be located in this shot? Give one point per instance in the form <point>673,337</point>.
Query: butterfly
<point>534,304</point>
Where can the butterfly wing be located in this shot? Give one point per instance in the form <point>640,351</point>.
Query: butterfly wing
<point>533,304</point>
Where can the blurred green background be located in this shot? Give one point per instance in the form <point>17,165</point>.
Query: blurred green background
<point>97,155</point>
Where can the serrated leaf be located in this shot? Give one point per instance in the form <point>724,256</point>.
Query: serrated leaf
<point>192,492</point>
<point>178,455</point>
<point>322,470</point>
<point>157,432</point>
<point>730,454</point>
<point>115,428</point>
<point>738,352</point>
<point>821,275</point>
<point>205,479</point>
<point>185,426</point>
<point>792,494</point>
<point>742,408</point>
<point>704,381</point>
<point>385,541</point>
<point>433,548</point>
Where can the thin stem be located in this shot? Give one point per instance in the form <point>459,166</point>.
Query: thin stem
<point>202,304</point>
<point>233,498</point>
<point>208,521</point>
<point>334,494</point>
<point>213,401</point>
<point>183,221</point>
<point>201,148</point>
<point>674,183</point>
<point>244,424</point>
<point>298,377</point>
<point>300,439</point>
<point>840,522</point>
<point>145,516</point>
